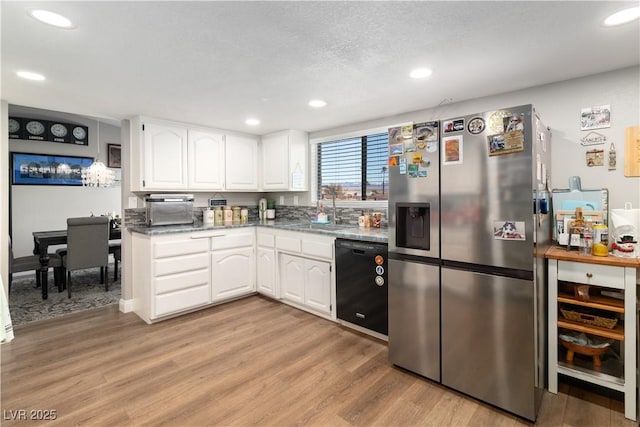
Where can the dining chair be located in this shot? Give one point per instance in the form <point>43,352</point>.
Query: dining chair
<point>32,262</point>
<point>87,247</point>
<point>116,250</point>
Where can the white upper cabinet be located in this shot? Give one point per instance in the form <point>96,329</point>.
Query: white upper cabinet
<point>206,163</point>
<point>284,161</point>
<point>164,154</point>
<point>241,163</point>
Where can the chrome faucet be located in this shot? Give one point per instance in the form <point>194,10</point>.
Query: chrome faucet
<point>334,218</point>
<point>333,192</point>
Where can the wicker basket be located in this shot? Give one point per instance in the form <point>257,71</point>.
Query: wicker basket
<point>589,319</point>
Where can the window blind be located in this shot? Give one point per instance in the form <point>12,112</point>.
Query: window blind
<point>353,169</point>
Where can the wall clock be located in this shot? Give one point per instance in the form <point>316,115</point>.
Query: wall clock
<point>59,130</point>
<point>35,130</point>
<point>35,127</point>
<point>79,132</point>
<point>14,126</point>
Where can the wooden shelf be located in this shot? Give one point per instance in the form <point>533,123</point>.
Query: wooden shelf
<point>616,333</point>
<point>599,302</point>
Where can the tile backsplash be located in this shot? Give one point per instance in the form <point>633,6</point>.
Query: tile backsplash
<point>138,216</point>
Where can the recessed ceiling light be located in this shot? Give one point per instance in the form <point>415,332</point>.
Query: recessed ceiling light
<point>51,18</point>
<point>420,73</point>
<point>30,75</point>
<point>622,17</point>
<point>252,122</point>
<point>317,103</point>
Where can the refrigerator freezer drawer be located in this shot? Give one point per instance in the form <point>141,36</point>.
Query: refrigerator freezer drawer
<point>488,341</point>
<point>414,317</point>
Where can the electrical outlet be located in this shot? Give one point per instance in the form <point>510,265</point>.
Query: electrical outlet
<point>282,200</point>
<point>295,200</point>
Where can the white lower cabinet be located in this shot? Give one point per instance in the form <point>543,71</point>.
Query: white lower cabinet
<point>180,272</point>
<point>171,275</point>
<point>306,281</point>
<point>266,271</point>
<point>292,280</point>
<point>317,285</point>
<point>266,263</point>
<point>232,273</point>
<point>305,266</point>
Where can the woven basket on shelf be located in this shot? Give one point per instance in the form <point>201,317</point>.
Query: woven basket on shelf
<point>589,319</point>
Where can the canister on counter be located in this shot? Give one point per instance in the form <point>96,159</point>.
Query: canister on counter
<point>208,217</point>
<point>244,215</point>
<point>376,219</point>
<point>600,245</point>
<point>217,215</point>
<point>235,214</point>
<point>227,215</point>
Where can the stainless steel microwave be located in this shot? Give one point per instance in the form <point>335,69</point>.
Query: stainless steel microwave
<point>169,209</point>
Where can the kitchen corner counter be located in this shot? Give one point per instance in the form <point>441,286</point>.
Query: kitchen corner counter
<point>339,231</point>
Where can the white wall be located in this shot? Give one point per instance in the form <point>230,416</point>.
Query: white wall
<point>4,195</point>
<point>559,106</point>
<point>47,207</point>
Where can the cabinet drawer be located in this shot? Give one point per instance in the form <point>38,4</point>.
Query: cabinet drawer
<point>164,266</point>
<point>228,241</point>
<point>176,282</point>
<point>591,274</point>
<point>290,244</point>
<point>181,300</point>
<point>179,247</point>
<point>266,240</point>
<point>318,249</point>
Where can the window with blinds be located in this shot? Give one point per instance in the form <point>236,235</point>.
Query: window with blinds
<point>354,169</point>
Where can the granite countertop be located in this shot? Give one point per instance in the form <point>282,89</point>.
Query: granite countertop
<point>343,231</point>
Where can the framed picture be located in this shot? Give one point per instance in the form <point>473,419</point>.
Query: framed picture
<point>45,169</point>
<point>114,155</point>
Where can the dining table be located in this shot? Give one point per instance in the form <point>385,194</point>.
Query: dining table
<point>43,239</point>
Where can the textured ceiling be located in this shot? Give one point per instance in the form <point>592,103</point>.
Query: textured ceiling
<point>217,63</point>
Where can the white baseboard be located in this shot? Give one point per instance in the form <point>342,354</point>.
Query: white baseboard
<point>127,305</point>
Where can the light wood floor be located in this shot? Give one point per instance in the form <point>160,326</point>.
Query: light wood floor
<point>249,362</point>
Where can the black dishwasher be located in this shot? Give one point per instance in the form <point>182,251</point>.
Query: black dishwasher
<point>361,284</point>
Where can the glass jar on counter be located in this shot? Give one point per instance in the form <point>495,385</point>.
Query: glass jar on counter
<point>217,215</point>
<point>244,215</point>
<point>235,214</point>
<point>227,215</point>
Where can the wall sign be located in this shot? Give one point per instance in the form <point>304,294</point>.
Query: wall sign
<point>48,130</point>
<point>597,117</point>
<point>47,169</point>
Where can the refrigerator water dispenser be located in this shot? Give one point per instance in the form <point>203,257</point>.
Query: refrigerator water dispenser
<point>412,228</point>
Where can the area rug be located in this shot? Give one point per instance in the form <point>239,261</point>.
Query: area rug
<point>26,303</point>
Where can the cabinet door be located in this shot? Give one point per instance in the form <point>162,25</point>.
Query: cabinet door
<point>275,162</point>
<point>232,273</point>
<point>292,278</point>
<point>241,163</point>
<point>165,157</point>
<point>266,276</point>
<point>206,160</point>
<point>317,291</point>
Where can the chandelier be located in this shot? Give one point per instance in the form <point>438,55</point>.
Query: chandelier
<point>97,175</point>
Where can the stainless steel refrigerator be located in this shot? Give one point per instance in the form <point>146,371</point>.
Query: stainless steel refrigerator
<point>493,226</point>
<point>414,249</point>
